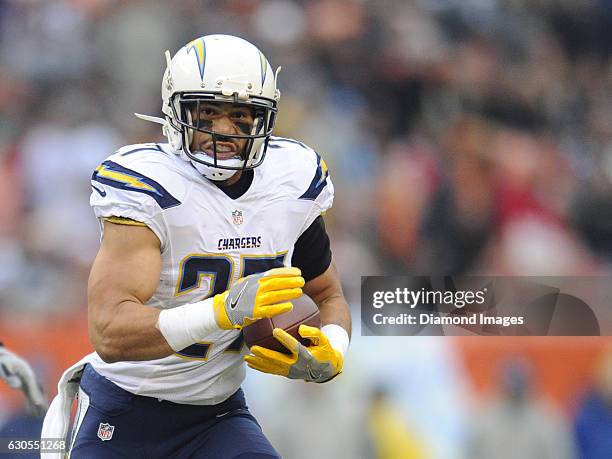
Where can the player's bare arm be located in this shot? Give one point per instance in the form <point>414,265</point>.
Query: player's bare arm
<point>326,291</point>
<point>124,276</point>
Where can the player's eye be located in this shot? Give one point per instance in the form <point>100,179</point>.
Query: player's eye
<point>207,112</point>
<point>241,115</point>
<point>243,120</point>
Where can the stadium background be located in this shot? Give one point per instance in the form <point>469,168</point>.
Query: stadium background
<point>463,136</point>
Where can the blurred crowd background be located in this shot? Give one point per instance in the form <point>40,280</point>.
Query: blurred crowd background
<point>463,137</point>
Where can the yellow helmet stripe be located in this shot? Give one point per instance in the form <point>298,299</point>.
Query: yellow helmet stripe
<point>199,47</point>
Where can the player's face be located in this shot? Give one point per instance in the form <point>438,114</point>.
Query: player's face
<point>221,118</point>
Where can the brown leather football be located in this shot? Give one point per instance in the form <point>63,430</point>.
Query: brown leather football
<point>305,311</point>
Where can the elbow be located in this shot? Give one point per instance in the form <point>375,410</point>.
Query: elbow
<point>104,345</point>
<point>107,353</point>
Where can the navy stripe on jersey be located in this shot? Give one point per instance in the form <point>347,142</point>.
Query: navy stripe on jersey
<point>112,174</point>
<point>318,182</point>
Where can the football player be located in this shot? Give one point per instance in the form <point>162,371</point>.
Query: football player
<point>19,375</point>
<point>202,235</point>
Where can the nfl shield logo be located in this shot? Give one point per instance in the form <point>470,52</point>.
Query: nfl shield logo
<point>237,217</point>
<point>105,431</point>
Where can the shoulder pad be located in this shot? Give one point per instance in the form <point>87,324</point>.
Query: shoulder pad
<point>307,170</point>
<point>129,150</point>
<point>117,176</point>
<point>146,169</point>
<point>138,182</point>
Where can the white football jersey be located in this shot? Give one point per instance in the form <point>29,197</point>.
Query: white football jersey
<point>208,240</point>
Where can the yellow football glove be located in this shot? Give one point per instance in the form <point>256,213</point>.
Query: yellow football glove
<point>318,362</point>
<point>257,296</point>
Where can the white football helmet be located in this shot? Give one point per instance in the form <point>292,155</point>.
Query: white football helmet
<point>218,69</point>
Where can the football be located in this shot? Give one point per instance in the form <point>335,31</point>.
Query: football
<point>305,311</point>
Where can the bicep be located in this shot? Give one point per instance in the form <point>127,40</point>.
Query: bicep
<point>124,277</point>
<point>127,267</point>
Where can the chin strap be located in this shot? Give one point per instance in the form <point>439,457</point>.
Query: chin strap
<point>173,136</point>
<point>153,119</point>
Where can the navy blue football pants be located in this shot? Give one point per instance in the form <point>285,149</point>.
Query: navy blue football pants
<point>133,426</point>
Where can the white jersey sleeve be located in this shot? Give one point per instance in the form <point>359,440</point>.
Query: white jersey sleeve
<point>310,176</point>
<point>134,183</point>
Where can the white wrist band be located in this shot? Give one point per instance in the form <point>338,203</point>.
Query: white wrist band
<point>337,336</point>
<point>185,325</point>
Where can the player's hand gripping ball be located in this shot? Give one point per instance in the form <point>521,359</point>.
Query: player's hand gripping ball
<point>257,296</point>
<point>318,362</point>
<point>304,312</point>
